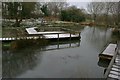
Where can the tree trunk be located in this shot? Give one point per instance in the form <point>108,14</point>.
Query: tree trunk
<point>106,20</point>
<point>17,23</point>
<point>94,18</point>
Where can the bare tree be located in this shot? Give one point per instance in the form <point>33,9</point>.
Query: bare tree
<point>56,7</point>
<point>115,11</point>
<point>95,8</point>
<point>107,8</point>
<point>119,13</point>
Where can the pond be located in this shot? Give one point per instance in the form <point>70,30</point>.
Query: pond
<point>77,59</point>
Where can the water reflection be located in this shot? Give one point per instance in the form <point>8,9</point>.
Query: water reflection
<point>63,45</point>
<point>77,59</point>
<point>103,63</point>
<point>16,62</point>
<point>97,36</point>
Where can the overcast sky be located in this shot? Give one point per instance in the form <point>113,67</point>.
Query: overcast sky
<point>79,0</point>
<point>79,4</point>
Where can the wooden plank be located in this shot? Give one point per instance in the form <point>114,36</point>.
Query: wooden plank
<point>117,61</point>
<point>50,33</point>
<point>118,64</point>
<point>31,30</point>
<point>14,38</point>
<point>6,38</point>
<point>118,57</point>
<point>113,76</point>
<point>3,38</point>
<point>60,36</point>
<point>115,73</point>
<point>116,69</point>
<point>111,64</point>
<point>115,66</point>
<point>110,50</point>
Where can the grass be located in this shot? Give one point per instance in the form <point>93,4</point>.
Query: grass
<point>15,32</point>
<point>9,31</point>
<point>21,44</point>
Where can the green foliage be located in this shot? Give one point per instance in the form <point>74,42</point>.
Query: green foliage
<point>72,14</point>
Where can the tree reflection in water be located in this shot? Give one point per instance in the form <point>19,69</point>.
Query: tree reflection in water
<point>17,61</point>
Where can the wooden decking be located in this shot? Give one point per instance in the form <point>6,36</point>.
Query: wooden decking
<point>17,38</point>
<point>51,34</point>
<point>108,53</point>
<point>33,34</point>
<point>113,70</point>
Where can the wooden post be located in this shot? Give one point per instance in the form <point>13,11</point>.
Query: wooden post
<point>26,37</point>
<point>39,36</point>
<point>58,45</point>
<point>58,36</point>
<point>70,36</point>
<point>79,35</point>
<point>79,43</point>
<point>70,44</point>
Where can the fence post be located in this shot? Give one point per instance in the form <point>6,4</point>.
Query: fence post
<point>79,35</point>
<point>70,36</point>
<point>70,43</point>
<point>58,36</point>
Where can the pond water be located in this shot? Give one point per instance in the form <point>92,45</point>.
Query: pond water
<point>76,60</point>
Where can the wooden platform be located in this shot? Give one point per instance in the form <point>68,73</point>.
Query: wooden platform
<point>113,70</point>
<point>51,34</point>
<point>33,34</point>
<point>108,53</point>
<point>17,38</point>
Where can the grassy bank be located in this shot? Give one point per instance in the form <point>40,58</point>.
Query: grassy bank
<point>13,32</point>
<point>49,26</point>
<point>21,44</point>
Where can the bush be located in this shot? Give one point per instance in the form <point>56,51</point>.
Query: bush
<point>72,14</point>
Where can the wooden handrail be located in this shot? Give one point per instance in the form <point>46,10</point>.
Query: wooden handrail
<point>111,63</point>
<point>54,33</point>
<point>59,28</point>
